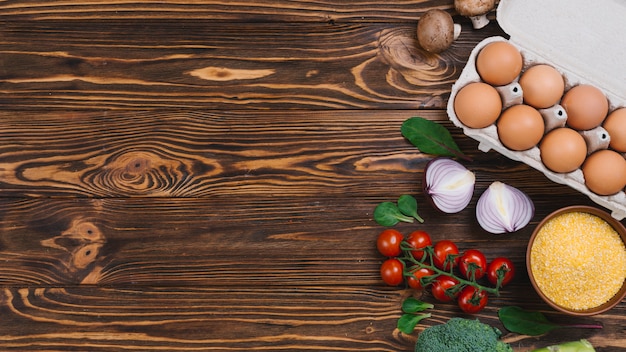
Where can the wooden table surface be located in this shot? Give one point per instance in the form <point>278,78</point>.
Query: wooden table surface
<point>186,175</point>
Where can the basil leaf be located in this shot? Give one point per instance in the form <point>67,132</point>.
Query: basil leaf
<point>430,137</point>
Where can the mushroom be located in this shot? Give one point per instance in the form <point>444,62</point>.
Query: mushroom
<point>436,31</point>
<point>476,10</point>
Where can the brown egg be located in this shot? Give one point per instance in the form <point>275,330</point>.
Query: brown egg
<point>543,86</point>
<point>586,107</point>
<point>605,172</point>
<point>520,127</point>
<point>477,105</point>
<point>499,63</point>
<point>563,150</point>
<point>615,125</point>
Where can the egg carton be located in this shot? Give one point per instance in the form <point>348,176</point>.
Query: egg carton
<point>582,40</point>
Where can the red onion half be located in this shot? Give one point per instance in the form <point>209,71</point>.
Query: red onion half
<point>448,185</point>
<point>503,208</point>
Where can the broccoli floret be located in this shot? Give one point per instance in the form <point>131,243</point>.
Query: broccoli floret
<point>461,335</point>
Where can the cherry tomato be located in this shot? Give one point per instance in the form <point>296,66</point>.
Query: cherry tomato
<point>445,255</point>
<point>472,300</point>
<point>473,262</point>
<point>500,268</point>
<point>414,282</point>
<point>418,239</point>
<point>388,243</point>
<point>392,272</point>
<point>441,286</point>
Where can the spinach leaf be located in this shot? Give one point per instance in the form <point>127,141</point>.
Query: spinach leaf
<point>388,214</point>
<point>407,204</point>
<point>411,308</point>
<point>431,137</point>
<point>413,305</point>
<point>518,320</point>
<point>533,323</point>
<point>407,322</point>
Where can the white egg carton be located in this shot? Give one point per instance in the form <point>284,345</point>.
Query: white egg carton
<point>585,41</point>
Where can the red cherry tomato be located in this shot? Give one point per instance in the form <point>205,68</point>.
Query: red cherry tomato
<point>472,300</point>
<point>418,239</point>
<point>500,268</point>
<point>414,281</point>
<point>392,272</point>
<point>388,243</point>
<point>473,262</point>
<point>445,255</point>
<point>441,288</point>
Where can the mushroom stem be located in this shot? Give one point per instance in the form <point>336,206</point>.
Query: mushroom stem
<point>476,10</point>
<point>457,31</point>
<point>480,21</point>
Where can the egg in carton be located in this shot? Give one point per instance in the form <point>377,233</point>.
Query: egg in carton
<point>583,43</point>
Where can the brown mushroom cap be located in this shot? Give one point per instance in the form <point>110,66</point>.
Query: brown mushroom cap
<point>474,7</point>
<point>435,31</point>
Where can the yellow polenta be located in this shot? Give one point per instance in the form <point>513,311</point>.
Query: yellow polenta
<point>578,260</point>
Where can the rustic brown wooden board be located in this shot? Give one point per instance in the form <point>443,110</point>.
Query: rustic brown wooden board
<point>205,154</point>
<point>318,240</point>
<point>238,319</point>
<point>198,176</point>
<point>226,11</point>
<point>261,234</point>
<point>190,273</point>
<point>207,65</point>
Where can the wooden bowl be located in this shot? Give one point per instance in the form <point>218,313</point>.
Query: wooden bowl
<point>619,228</point>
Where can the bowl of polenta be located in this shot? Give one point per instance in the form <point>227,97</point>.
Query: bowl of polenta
<point>576,260</point>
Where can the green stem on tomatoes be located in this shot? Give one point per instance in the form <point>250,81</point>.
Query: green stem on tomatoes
<point>408,257</point>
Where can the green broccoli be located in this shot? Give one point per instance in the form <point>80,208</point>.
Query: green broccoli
<point>461,335</point>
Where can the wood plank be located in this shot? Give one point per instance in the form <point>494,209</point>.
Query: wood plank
<point>207,65</point>
<point>204,242</point>
<point>239,318</point>
<point>233,11</point>
<point>204,154</point>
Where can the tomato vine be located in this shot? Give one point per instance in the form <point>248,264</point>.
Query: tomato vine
<point>449,274</point>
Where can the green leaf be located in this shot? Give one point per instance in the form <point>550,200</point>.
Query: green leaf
<point>408,322</point>
<point>408,206</point>
<point>413,305</point>
<point>430,137</point>
<point>518,320</point>
<point>388,214</point>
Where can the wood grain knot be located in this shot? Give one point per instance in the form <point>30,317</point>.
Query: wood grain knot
<point>82,240</point>
<point>399,48</point>
<point>155,173</point>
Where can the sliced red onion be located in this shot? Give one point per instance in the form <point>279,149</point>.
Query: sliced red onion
<point>448,185</point>
<point>503,208</point>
